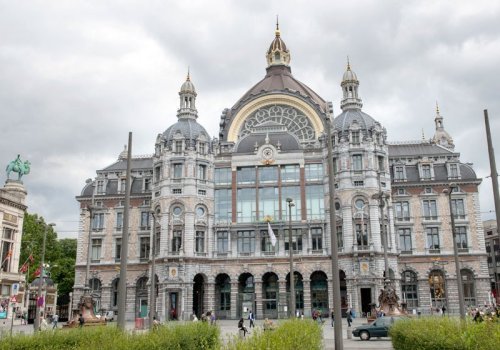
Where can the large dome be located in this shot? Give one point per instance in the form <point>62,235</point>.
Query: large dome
<point>188,128</point>
<point>344,121</point>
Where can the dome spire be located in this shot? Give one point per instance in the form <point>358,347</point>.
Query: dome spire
<point>278,54</point>
<point>350,86</point>
<point>187,94</point>
<point>441,137</point>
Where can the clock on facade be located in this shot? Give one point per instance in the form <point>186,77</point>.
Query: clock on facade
<point>268,153</point>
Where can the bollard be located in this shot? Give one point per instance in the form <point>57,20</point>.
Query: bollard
<point>349,333</point>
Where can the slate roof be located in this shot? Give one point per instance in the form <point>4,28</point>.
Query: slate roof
<point>287,142</point>
<point>344,120</point>
<point>417,149</point>
<point>189,128</point>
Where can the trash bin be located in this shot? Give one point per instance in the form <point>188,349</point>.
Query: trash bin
<point>139,323</point>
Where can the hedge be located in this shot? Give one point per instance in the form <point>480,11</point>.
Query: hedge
<point>444,333</point>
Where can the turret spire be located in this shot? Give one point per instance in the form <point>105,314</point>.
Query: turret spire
<point>350,86</point>
<point>278,54</point>
<point>441,137</point>
<point>187,94</point>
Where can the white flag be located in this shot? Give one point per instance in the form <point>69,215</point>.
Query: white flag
<point>271,234</point>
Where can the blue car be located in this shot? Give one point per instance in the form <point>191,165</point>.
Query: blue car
<point>378,328</point>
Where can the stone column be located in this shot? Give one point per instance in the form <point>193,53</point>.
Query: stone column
<point>307,297</point>
<point>234,299</point>
<point>210,297</point>
<point>258,300</point>
<point>282,299</point>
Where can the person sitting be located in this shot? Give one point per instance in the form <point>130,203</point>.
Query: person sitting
<point>241,327</point>
<point>268,325</point>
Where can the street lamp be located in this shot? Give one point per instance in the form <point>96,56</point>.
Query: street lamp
<point>290,248</point>
<point>90,209</point>
<point>448,191</point>
<point>152,292</point>
<point>41,278</point>
<point>381,202</point>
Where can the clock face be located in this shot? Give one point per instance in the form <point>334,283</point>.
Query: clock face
<point>267,153</point>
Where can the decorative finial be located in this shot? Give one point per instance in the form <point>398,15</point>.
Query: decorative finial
<point>277,27</point>
<point>437,108</point>
<point>423,136</point>
<point>348,64</point>
<point>188,78</point>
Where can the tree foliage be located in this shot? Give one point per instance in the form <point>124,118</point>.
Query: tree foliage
<point>60,255</point>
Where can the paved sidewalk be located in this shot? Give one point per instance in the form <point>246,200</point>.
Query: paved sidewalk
<point>229,328</point>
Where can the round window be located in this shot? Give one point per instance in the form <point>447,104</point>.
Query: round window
<point>177,211</point>
<point>360,203</point>
<point>200,211</point>
<point>337,206</point>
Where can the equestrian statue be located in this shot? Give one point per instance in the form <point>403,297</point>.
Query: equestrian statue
<point>19,167</point>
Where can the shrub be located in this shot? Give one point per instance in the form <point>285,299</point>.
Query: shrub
<point>293,334</point>
<point>444,333</point>
<point>179,336</point>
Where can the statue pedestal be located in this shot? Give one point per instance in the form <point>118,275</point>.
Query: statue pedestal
<point>16,189</point>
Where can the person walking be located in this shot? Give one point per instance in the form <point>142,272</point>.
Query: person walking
<point>349,318</point>
<point>55,319</point>
<point>242,328</point>
<point>443,309</point>
<point>332,315</point>
<point>251,318</point>
<point>81,321</point>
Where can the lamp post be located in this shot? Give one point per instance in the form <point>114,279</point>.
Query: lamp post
<point>290,248</point>
<point>461,305</point>
<point>41,278</point>
<point>90,209</point>
<point>381,200</point>
<point>152,292</point>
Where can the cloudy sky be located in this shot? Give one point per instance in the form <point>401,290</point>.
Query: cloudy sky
<point>77,76</point>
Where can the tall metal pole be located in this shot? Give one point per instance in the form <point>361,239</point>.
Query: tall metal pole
<point>496,195</point>
<point>89,243</point>
<point>122,286</point>
<point>41,279</point>
<point>290,248</point>
<point>455,254</point>
<point>337,305</point>
<point>152,292</point>
<point>383,232</point>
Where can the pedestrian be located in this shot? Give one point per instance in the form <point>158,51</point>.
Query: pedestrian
<point>55,318</point>
<point>241,327</point>
<point>251,318</point>
<point>332,315</point>
<point>156,323</point>
<point>81,321</point>
<point>443,309</point>
<point>349,318</point>
<point>212,319</point>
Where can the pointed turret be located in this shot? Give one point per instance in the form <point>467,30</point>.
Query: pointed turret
<point>441,137</point>
<point>278,54</point>
<point>350,86</point>
<point>187,95</point>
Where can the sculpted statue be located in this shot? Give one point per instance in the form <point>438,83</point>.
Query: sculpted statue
<point>19,167</point>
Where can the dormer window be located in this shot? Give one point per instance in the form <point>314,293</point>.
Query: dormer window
<point>201,148</point>
<point>426,172</point>
<point>178,147</point>
<point>453,171</point>
<point>399,173</point>
<point>355,137</point>
<point>147,184</point>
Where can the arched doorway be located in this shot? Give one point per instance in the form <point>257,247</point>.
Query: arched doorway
<point>437,287</point>
<point>409,289</point>
<point>344,300</point>
<point>469,287</point>
<point>246,294</point>
<point>198,296</point>
<point>223,296</point>
<point>141,297</point>
<point>319,293</point>
<point>114,294</point>
<point>299,290</point>
<point>270,292</point>
<point>96,291</point>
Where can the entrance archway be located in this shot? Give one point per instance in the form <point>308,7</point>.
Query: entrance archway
<point>299,290</point>
<point>223,296</point>
<point>270,292</point>
<point>319,293</point>
<point>344,300</point>
<point>198,294</point>
<point>246,294</point>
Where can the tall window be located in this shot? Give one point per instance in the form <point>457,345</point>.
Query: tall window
<point>96,250</point>
<point>268,202</point>
<point>461,234</point>
<point>222,242</point>
<point>426,172</point>
<point>144,248</point>
<point>147,184</point>
<point>157,173</point>
<point>437,288</point>
<point>157,238</point>
<point>200,242</point>
<point>268,174</point>
<point>202,147</point>
<point>296,240</point>
<point>294,193</point>
<point>265,242</point>
<point>246,205</point>
<point>315,202</point>
<point>458,209</point>
<point>405,240</point>
<point>430,209</point>
<point>223,176</point>
<point>399,173</point>
<point>176,240</point>
<point>114,293</point>
<point>432,234</point>
<point>314,172</point>
<point>119,221</point>
<point>317,238</point>
<point>98,221</point>
<point>340,236</point>
<point>178,147</point>
<point>381,163</point>
<point>469,288</point>
<point>246,175</point>
<point>7,246</point>
<point>409,289</point>
<point>355,136</point>
<point>223,205</point>
<point>100,187</point>
<point>145,220</point>
<point>123,185</point>
<point>357,162</point>
<point>362,235</point>
<point>223,286</point>
<point>246,241</point>
<point>402,211</point>
<point>177,170</point>
<point>118,249</point>
<point>202,172</point>
<point>290,173</point>
<point>453,171</point>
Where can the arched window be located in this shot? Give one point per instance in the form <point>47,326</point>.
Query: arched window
<point>223,294</point>
<point>437,287</point>
<point>270,295</point>
<point>319,292</point>
<point>409,289</point>
<point>141,297</point>
<point>114,293</point>
<point>469,287</point>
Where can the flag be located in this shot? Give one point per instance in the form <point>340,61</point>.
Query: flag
<point>23,268</point>
<point>38,271</point>
<point>271,234</point>
<point>30,258</point>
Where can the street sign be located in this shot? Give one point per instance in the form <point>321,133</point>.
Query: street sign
<point>13,300</point>
<point>15,288</point>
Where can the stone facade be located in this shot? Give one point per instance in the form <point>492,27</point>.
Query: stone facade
<point>214,200</point>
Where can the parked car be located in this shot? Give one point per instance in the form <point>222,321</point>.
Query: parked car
<point>378,328</point>
<point>109,315</point>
